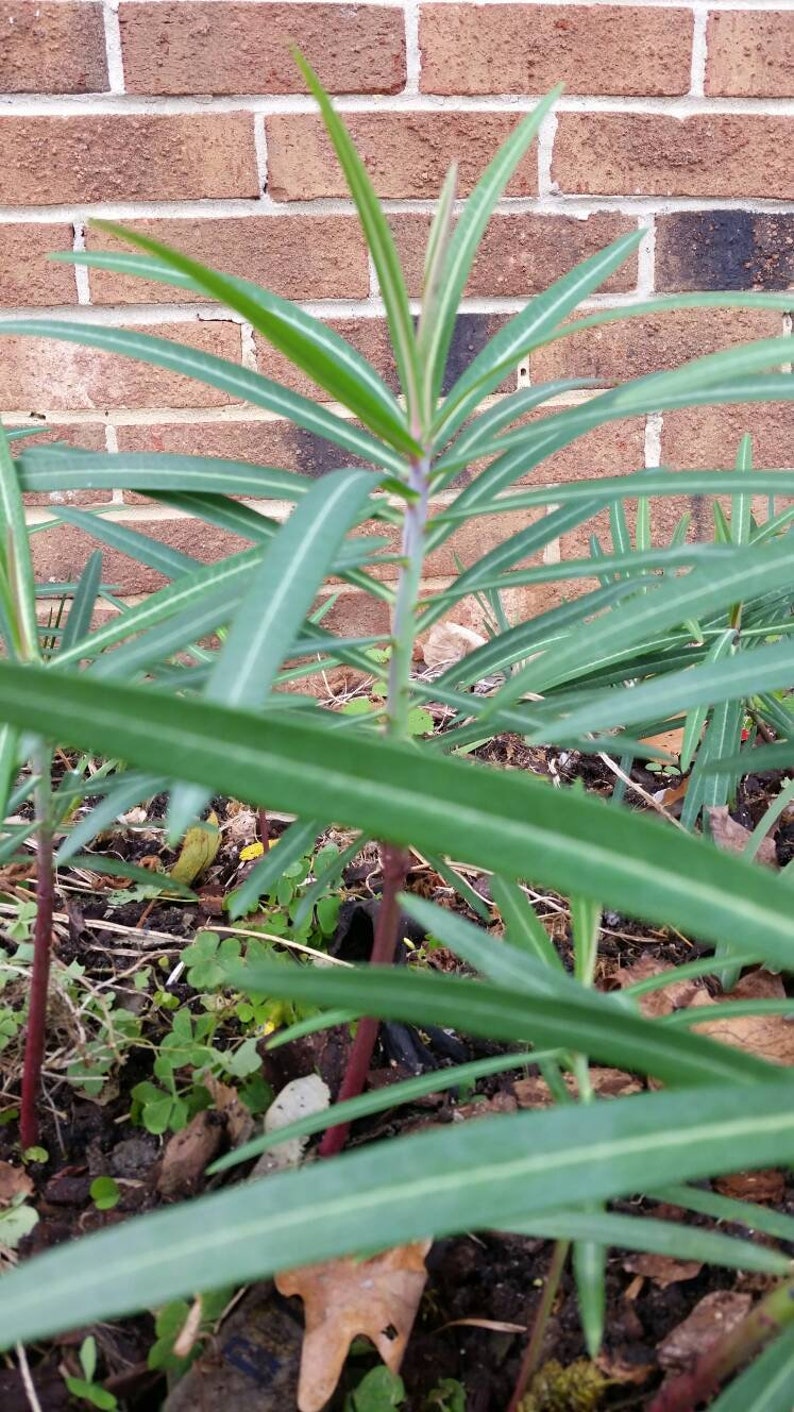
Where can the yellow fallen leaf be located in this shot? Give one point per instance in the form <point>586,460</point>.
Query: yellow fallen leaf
<point>344,1299</point>
<point>199,847</point>
<point>252,850</point>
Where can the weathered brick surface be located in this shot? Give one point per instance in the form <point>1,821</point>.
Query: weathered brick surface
<point>126,157</point>
<point>298,257</point>
<point>51,48</point>
<point>521,255</point>
<point>41,374</point>
<point>641,154</point>
<point>218,47</point>
<point>263,443</point>
<point>724,250</point>
<point>89,438</point>
<point>527,49</point>
<point>61,552</point>
<point>634,347</point>
<point>26,275</point>
<point>407,154</point>
<point>708,438</point>
<point>751,53</point>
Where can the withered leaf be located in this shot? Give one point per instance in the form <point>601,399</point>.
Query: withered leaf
<point>712,1318</point>
<point>662,1269</point>
<point>347,1299</point>
<point>449,642</point>
<point>14,1182</point>
<point>732,836</point>
<point>188,1152</point>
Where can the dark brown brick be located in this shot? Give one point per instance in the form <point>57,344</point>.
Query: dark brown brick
<point>724,250</point>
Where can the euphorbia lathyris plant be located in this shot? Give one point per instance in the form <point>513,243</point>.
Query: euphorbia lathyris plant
<point>230,730</point>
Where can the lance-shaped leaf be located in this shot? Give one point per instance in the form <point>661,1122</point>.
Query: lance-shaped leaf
<point>277,600</point>
<point>62,468</point>
<point>324,355</point>
<point>464,1177</point>
<point>511,824</point>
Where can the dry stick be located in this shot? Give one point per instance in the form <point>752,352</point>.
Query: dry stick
<point>39,984</point>
<point>768,1319</point>
<point>384,947</point>
<point>531,1359</point>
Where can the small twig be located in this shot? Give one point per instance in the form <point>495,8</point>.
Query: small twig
<point>638,789</point>
<point>27,1380</point>
<point>531,1359</point>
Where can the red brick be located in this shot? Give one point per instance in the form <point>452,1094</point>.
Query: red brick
<point>121,157</point>
<point>634,154</point>
<point>612,450</point>
<point>369,336</point>
<point>60,553</point>
<point>620,351</point>
<point>220,47</point>
<point>90,437</point>
<point>26,275</point>
<point>48,48</point>
<point>708,438</point>
<point>407,154</point>
<point>44,374</point>
<point>751,54</point>
<point>262,443</point>
<point>298,257</point>
<point>527,49</point>
<point>520,255</point>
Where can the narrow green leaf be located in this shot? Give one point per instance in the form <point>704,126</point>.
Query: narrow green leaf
<point>292,845</point>
<point>310,345</point>
<point>379,241</point>
<point>144,547</point>
<point>49,468</point>
<point>503,822</point>
<point>532,327</point>
<point>523,927</point>
<point>78,622</point>
<point>469,231</point>
<point>15,560</point>
<point>281,593</point>
<point>471,1175</point>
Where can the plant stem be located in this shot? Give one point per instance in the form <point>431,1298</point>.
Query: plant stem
<point>42,951</point>
<point>394,861</point>
<point>768,1319</point>
<point>531,1359</point>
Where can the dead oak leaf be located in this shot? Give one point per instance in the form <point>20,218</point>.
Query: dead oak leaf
<point>662,1269</point>
<point>345,1299</point>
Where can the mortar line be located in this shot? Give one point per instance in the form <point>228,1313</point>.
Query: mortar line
<point>81,279</point>
<point>115,60</point>
<point>574,205</point>
<point>653,440</point>
<point>121,104</point>
<point>646,257</point>
<point>700,17</point>
<point>413,54</point>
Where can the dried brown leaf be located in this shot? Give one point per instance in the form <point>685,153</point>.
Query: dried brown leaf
<point>449,642</point>
<point>608,1083</point>
<point>712,1318</point>
<point>662,1269</point>
<point>346,1299</point>
<point>14,1182</point>
<point>239,1119</point>
<point>732,836</point>
<point>771,1037</point>
<point>674,996</point>
<point>765,1186</point>
<point>188,1152</point>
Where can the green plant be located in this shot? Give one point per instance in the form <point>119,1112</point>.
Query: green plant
<point>546,1173</point>
<point>85,1388</point>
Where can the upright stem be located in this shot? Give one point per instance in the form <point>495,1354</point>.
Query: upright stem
<point>531,1359</point>
<point>42,951</point>
<point>394,861</point>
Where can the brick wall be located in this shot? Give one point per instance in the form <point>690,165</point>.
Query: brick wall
<point>185,118</point>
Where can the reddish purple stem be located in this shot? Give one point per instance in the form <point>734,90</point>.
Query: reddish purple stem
<point>39,985</point>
